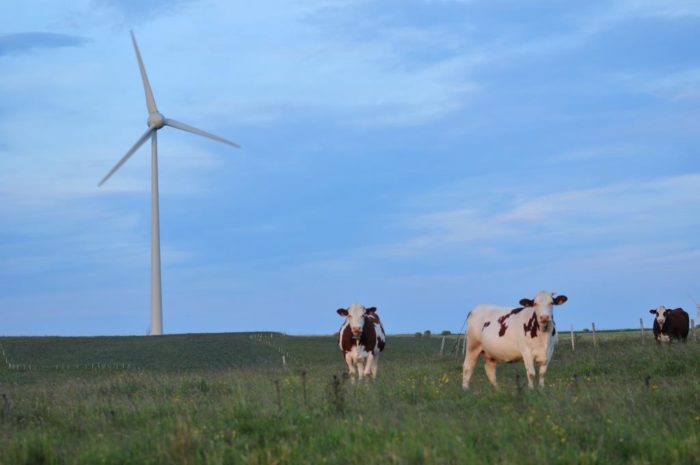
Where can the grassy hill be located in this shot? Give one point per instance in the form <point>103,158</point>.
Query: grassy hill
<point>196,351</point>
<point>226,398</point>
<point>177,352</point>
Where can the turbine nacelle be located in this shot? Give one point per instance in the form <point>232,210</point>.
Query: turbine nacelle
<point>155,120</point>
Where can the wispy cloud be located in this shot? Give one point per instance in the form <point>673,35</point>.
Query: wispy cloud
<point>301,66</point>
<point>612,213</point>
<point>25,42</point>
<point>608,151</point>
<point>679,86</point>
<point>667,9</point>
<point>131,12</point>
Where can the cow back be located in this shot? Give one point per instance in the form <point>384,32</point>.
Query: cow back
<point>381,338</point>
<point>677,324</point>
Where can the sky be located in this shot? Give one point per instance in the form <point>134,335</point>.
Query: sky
<point>420,156</point>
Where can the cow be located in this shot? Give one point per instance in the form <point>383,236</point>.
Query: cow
<point>361,338</point>
<point>670,324</point>
<point>506,334</point>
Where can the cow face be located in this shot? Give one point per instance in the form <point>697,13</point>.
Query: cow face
<point>661,312</point>
<point>543,304</point>
<point>355,314</point>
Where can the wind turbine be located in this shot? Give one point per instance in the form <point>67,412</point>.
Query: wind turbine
<point>156,121</point>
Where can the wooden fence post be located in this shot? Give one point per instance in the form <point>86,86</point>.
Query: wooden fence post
<point>6,405</point>
<point>573,344</point>
<point>303,382</point>
<point>4,355</point>
<point>641,326</point>
<point>279,394</point>
<point>595,341</point>
<point>455,347</point>
<point>442,346</point>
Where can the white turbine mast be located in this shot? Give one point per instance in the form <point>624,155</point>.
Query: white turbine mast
<point>156,121</point>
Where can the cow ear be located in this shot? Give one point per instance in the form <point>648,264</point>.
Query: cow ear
<point>652,311</point>
<point>342,311</point>
<point>371,310</point>
<point>527,303</point>
<point>560,299</point>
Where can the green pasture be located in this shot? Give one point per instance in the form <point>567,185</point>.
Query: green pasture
<point>228,398</point>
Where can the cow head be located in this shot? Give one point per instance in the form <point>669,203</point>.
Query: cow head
<point>661,312</point>
<point>543,304</point>
<point>356,314</point>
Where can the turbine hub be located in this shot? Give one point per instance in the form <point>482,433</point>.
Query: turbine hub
<point>156,121</point>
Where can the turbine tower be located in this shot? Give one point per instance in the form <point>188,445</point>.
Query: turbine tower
<point>155,122</point>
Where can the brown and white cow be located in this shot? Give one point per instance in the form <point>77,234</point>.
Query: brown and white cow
<point>361,339</point>
<point>503,334</point>
<point>670,324</point>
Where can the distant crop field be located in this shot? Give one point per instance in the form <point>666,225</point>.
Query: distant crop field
<point>268,398</point>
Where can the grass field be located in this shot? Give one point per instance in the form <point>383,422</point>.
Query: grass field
<point>227,398</point>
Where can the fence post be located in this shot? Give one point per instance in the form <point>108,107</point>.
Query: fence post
<point>4,356</point>
<point>573,343</point>
<point>692,328</point>
<point>442,347</point>
<point>595,341</point>
<point>303,382</point>
<point>279,395</point>
<point>458,345</point>
<point>641,326</point>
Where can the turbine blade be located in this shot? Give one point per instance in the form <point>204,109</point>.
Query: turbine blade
<point>199,132</point>
<point>150,101</point>
<point>131,151</point>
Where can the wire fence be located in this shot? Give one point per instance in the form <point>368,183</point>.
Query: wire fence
<point>575,336</point>
<point>274,342</point>
<point>70,367</point>
<point>269,340</point>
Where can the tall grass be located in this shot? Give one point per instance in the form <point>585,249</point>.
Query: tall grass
<point>629,401</point>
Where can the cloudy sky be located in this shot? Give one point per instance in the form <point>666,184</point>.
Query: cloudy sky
<point>421,156</point>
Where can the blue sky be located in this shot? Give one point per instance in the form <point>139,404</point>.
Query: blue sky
<point>420,156</point>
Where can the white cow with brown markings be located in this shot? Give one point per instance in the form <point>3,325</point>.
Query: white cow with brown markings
<point>361,338</point>
<point>504,334</point>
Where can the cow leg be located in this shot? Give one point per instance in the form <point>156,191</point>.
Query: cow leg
<point>351,366</point>
<point>543,370</point>
<point>372,366</point>
<point>360,369</point>
<point>369,363</point>
<point>490,368</point>
<point>472,355</point>
<point>530,368</point>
